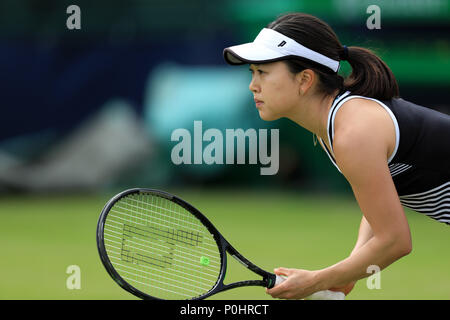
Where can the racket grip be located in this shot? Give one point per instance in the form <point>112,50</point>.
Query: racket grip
<point>320,295</point>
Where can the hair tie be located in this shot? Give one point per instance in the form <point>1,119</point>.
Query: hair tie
<point>344,54</point>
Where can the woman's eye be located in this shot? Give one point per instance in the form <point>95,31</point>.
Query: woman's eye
<point>259,71</point>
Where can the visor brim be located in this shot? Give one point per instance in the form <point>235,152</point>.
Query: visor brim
<point>251,52</point>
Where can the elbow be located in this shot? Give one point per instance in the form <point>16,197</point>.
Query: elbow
<point>404,250</point>
<point>407,248</point>
<point>399,242</point>
<point>405,243</point>
<point>396,246</point>
<point>402,246</point>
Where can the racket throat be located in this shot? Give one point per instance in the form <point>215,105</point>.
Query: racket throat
<point>268,280</point>
<point>239,260</point>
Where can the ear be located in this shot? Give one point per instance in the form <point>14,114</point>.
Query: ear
<point>305,80</point>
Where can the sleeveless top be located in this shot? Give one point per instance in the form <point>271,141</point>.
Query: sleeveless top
<point>420,162</point>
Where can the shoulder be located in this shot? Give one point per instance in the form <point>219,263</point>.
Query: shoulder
<point>364,134</point>
<point>359,115</point>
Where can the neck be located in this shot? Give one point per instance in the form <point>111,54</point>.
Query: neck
<point>312,114</point>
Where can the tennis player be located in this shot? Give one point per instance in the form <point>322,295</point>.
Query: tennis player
<point>391,151</point>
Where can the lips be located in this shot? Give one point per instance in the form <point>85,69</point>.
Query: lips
<point>258,102</point>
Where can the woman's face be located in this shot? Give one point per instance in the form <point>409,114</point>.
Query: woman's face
<point>275,89</point>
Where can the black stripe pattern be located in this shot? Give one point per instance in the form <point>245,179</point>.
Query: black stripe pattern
<point>398,168</point>
<point>434,203</point>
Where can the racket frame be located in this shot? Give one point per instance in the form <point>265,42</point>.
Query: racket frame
<point>268,279</point>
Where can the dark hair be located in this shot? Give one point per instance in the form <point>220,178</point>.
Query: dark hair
<point>370,76</point>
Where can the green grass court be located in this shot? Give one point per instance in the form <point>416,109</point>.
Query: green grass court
<point>42,235</point>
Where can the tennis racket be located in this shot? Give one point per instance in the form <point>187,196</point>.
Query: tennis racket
<point>157,246</point>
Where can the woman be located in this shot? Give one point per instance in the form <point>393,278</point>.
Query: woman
<point>391,151</point>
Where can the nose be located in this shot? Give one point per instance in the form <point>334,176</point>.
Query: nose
<point>254,86</point>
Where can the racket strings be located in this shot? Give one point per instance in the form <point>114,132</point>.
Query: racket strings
<point>161,248</point>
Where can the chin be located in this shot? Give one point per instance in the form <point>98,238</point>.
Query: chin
<point>267,116</point>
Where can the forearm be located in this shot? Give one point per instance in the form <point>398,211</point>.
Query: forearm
<point>376,251</point>
<point>364,234</point>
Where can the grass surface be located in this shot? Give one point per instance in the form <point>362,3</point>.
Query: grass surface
<point>42,235</point>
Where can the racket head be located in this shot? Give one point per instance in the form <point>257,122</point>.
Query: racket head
<point>157,246</point>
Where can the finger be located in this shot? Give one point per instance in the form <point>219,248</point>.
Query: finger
<point>278,289</point>
<point>275,293</point>
<point>282,271</point>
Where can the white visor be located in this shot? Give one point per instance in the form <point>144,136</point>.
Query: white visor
<point>270,46</point>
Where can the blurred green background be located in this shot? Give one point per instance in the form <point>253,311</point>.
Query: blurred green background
<point>89,112</point>
<point>43,235</point>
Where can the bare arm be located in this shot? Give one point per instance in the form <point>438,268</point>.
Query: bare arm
<point>365,234</point>
<point>384,234</point>
<point>361,152</point>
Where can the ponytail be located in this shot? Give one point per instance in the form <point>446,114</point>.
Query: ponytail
<point>370,76</point>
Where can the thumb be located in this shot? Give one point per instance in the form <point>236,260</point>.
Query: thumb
<point>282,271</point>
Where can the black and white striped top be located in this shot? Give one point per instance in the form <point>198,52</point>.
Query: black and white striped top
<point>420,162</point>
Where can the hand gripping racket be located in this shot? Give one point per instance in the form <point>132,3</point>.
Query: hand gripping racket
<point>157,246</point>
